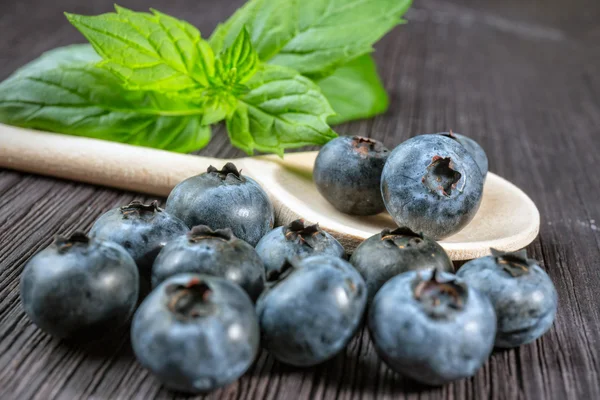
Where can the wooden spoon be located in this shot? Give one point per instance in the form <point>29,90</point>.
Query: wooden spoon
<point>507,219</point>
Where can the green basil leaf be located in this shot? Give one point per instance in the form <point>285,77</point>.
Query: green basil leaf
<point>355,91</point>
<point>59,56</point>
<point>238,62</point>
<point>149,51</point>
<point>218,104</point>
<point>238,129</point>
<point>235,65</point>
<point>282,110</point>
<point>63,91</point>
<point>270,23</point>
<point>312,36</point>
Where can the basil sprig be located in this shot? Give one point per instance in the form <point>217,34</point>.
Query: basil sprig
<point>277,72</point>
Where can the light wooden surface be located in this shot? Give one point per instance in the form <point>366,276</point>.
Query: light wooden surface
<point>520,76</point>
<point>507,219</point>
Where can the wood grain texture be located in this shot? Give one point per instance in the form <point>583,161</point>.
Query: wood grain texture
<point>521,77</point>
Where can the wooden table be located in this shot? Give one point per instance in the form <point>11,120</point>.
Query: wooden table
<point>521,77</point>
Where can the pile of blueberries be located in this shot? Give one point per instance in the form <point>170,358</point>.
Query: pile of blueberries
<point>208,280</point>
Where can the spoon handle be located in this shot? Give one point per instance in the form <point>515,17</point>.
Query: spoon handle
<point>99,162</point>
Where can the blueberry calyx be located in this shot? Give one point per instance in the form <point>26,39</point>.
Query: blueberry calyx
<point>514,263</point>
<point>191,300</point>
<point>228,170</point>
<point>64,243</point>
<point>439,299</point>
<point>364,146</point>
<point>202,232</point>
<point>449,134</point>
<point>275,276</point>
<point>137,209</point>
<point>400,237</point>
<point>302,232</point>
<point>441,177</point>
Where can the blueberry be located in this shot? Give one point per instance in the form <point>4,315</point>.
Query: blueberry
<point>522,293</point>
<point>347,173</point>
<point>80,288</point>
<point>224,199</point>
<point>196,333</point>
<point>389,253</point>
<point>312,309</point>
<point>473,148</point>
<point>431,184</point>
<point>432,327</point>
<point>218,253</point>
<point>296,240</point>
<point>142,229</point>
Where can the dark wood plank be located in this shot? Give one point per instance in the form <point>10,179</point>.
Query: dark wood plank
<point>521,77</point>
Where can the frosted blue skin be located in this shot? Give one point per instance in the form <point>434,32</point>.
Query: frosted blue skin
<point>525,305</point>
<point>431,350</point>
<point>224,201</point>
<point>420,205</point>
<point>379,260</point>
<point>274,249</point>
<point>347,173</point>
<point>81,292</point>
<point>311,315</point>
<point>202,353</point>
<point>143,234</point>
<point>230,258</point>
<point>474,149</point>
